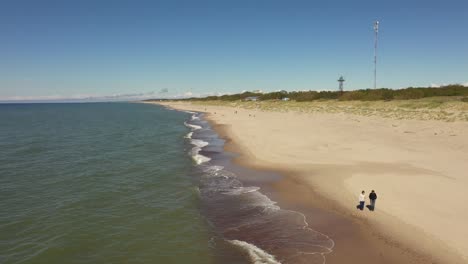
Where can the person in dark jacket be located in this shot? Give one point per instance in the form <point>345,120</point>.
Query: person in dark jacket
<point>372,198</point>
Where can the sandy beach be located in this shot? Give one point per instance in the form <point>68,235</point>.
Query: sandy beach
<point>417,167</point>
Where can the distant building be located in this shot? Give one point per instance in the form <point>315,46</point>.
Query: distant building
<point>285,99</point>
<point>251,98</point>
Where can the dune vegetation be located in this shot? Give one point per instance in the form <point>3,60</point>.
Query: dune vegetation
<point>383,94</point>
<point>448,103</point>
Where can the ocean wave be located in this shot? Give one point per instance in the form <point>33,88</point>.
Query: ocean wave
<point>193,127</point>
<point>199,143</point>
<point>241,190</point>
<point>256,255</point>
<point>189,135</point>
<point>212,169</point>
<point>195,152</point>
<point>199,159</point>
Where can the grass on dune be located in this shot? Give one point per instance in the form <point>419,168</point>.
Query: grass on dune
<point>431,108</point>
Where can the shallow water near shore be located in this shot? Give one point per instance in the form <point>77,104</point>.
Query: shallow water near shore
<point>121,182</point>
<point>98,183</point>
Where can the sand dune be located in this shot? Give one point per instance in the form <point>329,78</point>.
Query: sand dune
<point>418,168</point>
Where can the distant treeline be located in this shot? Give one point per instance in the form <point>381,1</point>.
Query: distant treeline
<point>361,95</point>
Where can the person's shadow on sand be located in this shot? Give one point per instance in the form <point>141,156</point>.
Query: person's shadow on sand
<point>367,206</point>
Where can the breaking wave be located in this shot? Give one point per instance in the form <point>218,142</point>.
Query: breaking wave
<point>193,127</point>
<point>256,255</point>
<point>197,143</point>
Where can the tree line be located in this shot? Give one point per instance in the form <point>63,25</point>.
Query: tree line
<point>356,95</point>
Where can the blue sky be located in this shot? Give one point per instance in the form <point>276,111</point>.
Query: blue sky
<point>81,49</point>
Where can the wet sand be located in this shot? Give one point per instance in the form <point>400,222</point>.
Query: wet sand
<point>359,237</point>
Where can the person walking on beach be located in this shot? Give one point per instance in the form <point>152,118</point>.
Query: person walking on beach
<point>372,198</point>
<point>362,200</point>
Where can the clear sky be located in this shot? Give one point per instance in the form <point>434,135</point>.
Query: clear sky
<point>75,49</point>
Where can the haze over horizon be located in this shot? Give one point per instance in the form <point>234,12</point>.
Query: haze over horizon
<point>69,50</point>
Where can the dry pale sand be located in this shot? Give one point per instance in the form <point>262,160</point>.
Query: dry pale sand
<point>418,168</point>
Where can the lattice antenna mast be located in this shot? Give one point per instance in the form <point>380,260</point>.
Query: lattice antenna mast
<point>341,81</point>
<point>376,30</point>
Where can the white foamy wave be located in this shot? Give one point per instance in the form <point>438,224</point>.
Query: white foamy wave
<point>213,169</point>
<point>194,117</point>
<point>190,112</point>
<point>261,200</point>
<point>241,190</point>
<point>199,144</point>
<point>199,159</point>
<point>257,255</point>
<point>193,127</point>
<point>189,135</point>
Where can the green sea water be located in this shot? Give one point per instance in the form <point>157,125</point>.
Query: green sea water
<point>98,183</point>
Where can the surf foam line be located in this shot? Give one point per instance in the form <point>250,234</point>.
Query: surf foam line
<point>328,250</point>
<point>193,127</point>
<point>197,143</point>
<point>189,135</point>
<point>195,152</point>
<point>250,220</point>
<point>256,255</point>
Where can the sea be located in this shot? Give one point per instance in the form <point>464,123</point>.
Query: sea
<point>135,183</point>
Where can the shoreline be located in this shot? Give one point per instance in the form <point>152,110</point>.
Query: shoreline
<point>292,239</point>
<point>353,243</point>
<point>392,247</point>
